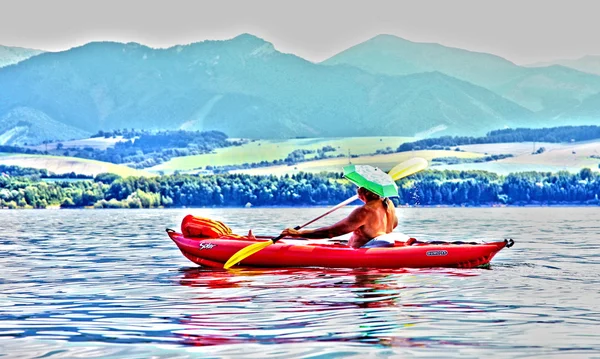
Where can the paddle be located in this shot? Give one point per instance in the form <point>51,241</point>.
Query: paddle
<point>399,171</point>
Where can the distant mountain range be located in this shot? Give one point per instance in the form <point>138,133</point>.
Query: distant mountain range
<point>550,91</point>
<point>13,55</point>
<point>589,63</point>
<point>246,88</point>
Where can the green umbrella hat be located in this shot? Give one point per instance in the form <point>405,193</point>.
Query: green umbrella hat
<point>371,178</point>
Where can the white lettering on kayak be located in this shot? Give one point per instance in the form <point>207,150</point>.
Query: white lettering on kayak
<point>206,246</point>
<point>436,253</point>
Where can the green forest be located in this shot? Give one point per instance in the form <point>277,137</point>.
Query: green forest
<point>143,149</point>
<point>510,135</point>
<point>140,149</point>
<point>21,188</point>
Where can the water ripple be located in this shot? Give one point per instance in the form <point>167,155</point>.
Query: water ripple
<point>110,284</point>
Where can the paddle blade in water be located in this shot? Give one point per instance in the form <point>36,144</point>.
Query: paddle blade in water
<point>408,168</point>
<point>246,252</point>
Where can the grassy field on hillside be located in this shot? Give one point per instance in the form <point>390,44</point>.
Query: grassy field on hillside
<point>570,157</point>
<point>503,168</point>
<point>99,143</point>
<point>59,164</point>
<point>269,150</point>
<point>518,148</point>
<point>385,162</point>
<point>567,155</point>
<point>556,157</point>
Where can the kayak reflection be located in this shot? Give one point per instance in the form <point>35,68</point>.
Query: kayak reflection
<point>295,305</point>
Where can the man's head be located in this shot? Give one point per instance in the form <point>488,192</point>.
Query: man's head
<point>365,195</point>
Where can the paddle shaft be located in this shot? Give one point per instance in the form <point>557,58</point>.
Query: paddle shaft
<point>345,203</point>
<point>400,171</point>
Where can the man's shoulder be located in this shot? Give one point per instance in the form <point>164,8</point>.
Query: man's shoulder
<point>362,210</point>
<point>365,210</point>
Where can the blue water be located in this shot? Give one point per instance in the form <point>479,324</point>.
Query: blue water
<point>110,284</point>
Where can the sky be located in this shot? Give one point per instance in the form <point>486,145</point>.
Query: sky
<point>522,31</point>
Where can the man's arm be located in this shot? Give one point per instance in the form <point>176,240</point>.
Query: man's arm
<point>349,224</point>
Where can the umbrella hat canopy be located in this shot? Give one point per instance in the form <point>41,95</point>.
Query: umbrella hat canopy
<point>371,178</point>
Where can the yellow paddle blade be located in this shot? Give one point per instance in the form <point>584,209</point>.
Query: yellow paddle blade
<point>408,168</point>
<point>246,252</point>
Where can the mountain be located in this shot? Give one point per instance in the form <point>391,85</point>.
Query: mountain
<point>13,55</point>
<point>392,55</point>
<point>550,90</point>
<point>586,113</point>
<point>245,88</point>
<point>447,106</point>
<point>589,64</point>
<point>22,126</point>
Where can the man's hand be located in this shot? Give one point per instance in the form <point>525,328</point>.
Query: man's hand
<point>290,232</point>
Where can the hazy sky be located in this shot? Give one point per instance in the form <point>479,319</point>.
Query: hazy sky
<point>523,31</point>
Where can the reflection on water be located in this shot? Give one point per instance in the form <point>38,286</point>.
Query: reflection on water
<point>295,306</point>
<point>111,284</point>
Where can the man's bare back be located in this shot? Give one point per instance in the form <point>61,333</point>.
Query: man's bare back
<point>378,220</point>
<point>376,217</point>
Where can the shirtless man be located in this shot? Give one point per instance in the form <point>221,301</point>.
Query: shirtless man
<point>373,219</point>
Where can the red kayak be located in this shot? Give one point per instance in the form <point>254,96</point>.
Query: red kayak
<point>210,243</point>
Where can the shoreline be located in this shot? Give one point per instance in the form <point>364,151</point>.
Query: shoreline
<point>561,205</point>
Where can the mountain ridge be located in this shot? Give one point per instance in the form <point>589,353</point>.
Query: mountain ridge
<point>534,88</point>
<point>587,63</point>
<point>10,55</point>
<point>246,88</point>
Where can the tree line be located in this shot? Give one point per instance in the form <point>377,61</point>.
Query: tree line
<point>141,149</point>
<point>151,149</point>
<point>457,160</point>
<point>553,134</point>
<point>294,157</point>
<point>17,171</point>
<point>303,189</point>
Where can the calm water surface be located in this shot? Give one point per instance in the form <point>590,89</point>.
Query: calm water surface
<point>109,283</point>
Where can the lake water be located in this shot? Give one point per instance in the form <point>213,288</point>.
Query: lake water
<point>110,284</point>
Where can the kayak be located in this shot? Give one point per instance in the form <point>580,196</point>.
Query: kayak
<point>211,243</point>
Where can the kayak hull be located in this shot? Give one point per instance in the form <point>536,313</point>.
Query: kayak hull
<point>287,253</point>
